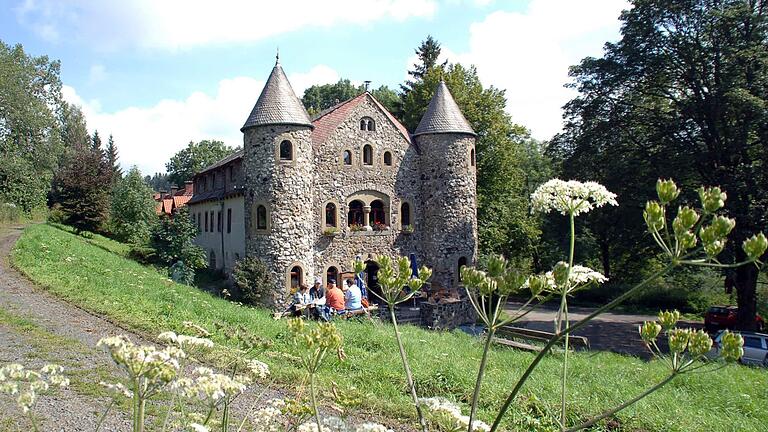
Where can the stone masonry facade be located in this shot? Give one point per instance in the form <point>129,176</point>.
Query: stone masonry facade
<point>353,183</point>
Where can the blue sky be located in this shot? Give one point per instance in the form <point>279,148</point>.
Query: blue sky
<point>158,74</point>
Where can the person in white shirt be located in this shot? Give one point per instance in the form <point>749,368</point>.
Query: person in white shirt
<point>352,296</point>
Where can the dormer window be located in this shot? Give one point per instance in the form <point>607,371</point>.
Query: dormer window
<point>286,151</point>
<point>367,124</point>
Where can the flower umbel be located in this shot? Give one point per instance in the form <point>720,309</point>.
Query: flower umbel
<point>571,196</point>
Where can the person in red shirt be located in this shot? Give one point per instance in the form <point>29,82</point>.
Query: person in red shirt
<point>334,298</point>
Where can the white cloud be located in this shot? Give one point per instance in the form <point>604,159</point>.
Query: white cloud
<point>529,53</point>
<point>174,24</point>
<point>149,136</point>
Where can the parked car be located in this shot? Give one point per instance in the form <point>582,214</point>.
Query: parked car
<point>724,317</point>
<point>755,348</point>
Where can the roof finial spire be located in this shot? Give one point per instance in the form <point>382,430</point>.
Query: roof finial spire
<point>277,56</point>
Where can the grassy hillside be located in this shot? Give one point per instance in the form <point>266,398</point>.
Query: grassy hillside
<point>93,276</point>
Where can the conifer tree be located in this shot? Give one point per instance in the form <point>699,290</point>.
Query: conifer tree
<point>112,157</point>
<point>80,189</point>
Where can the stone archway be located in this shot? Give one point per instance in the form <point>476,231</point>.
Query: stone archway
<point>372,280</point>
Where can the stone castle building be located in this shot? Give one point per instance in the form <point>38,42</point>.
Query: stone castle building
<point>309,196</point>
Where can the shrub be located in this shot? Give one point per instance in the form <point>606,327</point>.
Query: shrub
<point>9,213</point>
<point>56,215</point>
<point>253,281</point>
<point>133,209</point>
<point>172,240</point>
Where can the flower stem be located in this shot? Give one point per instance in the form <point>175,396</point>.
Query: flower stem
<point>140,415</point>
<point>33,421</point>
<point>582,322</point>
<point>314,401</point>
<point>104,415</point>
<point>613,411</point>
<point>478,383</point>
<point>408,374</point>
<point>564,311</point>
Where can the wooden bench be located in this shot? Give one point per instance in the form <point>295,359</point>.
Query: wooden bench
<point>510,333</point>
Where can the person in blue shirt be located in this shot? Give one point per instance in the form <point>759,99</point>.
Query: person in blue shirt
<point>352,296</point>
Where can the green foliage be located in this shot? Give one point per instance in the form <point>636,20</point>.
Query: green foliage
<point>142,298</point>
<point>172,238</point>
<point>112,157</point>
<point>196,156</point>
<point>30,146</point>
<point>509,163</point>
<point>80,189</point>
<point>158,182</point>
<point>320,97</point>
<point>9,213</point>
<point>253,281</point>
<point>133,209</point>
<point>682,93</point>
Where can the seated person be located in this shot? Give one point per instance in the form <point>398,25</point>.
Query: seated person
<point>301,300</point>
<point>352,296</point>
<point>317,293</point>
<point>334,296</point>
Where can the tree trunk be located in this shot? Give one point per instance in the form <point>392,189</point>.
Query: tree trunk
<point>746,294</point>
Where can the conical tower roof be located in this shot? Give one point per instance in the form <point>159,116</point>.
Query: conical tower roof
<point>277,104</point>
<point>443,115</point>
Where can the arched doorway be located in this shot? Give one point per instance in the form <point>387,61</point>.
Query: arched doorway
<point>297,277</point>
<point>372,280</point>
<point>332,274</point>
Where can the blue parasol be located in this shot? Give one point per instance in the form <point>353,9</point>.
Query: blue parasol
<point>414,265</point>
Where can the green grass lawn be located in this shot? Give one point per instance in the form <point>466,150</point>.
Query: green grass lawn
<point>94,274</point>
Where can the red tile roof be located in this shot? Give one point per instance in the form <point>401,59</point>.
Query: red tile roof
<point>181,200</point>
<point>327,121</point>
<point>167,205</point>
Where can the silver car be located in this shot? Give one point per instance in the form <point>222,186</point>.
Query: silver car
<point>755,347</point>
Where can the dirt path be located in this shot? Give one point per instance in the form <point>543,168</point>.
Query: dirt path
<point>37,328</point>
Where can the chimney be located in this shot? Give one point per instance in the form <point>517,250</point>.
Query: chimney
<point>174,189</point>
<point>189,188</point>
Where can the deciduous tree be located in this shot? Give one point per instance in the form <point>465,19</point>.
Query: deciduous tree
<point>133,209</point>
<point>196,156</point>
<point>684,93</point>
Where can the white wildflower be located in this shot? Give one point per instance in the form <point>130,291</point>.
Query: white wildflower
<point>258,369</point>
<point>372,427</point>
<point>168,336</point>
<point>197,427</point>
<point>579,277</point>
<point>329,424</point>
<point>448,416</point>
<point>26,400</point>
<point>210,387</point>
<point>269,419</point>
<point>153,366</point>
<point>118,388</point>
<point>571,196</point>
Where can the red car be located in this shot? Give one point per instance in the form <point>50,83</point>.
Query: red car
<point>724,317</point>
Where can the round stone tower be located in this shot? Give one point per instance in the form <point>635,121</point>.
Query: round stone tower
<point>449,194</point>
<point>277,165</point>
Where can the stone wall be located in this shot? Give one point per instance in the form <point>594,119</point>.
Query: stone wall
<point>340,184</point>
<point>283,188</point>
<point>449,199</point>
<point>447,314</point>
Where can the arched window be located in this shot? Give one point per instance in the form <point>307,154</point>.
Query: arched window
<point>405,214</point>
<point>347,156</point>
<point>297,277</point>
<point>377,213</point>
<point>367,124</point>
<point>330,215</point>
<point>472,157</point>
<point>462,264</point>
<point>212,260</point>
<point>355,216</point>
<point>286,150</point>
<point>261,217</point>
<point>367,155</point>
<point>387,158</point>
<point>332,273</point>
